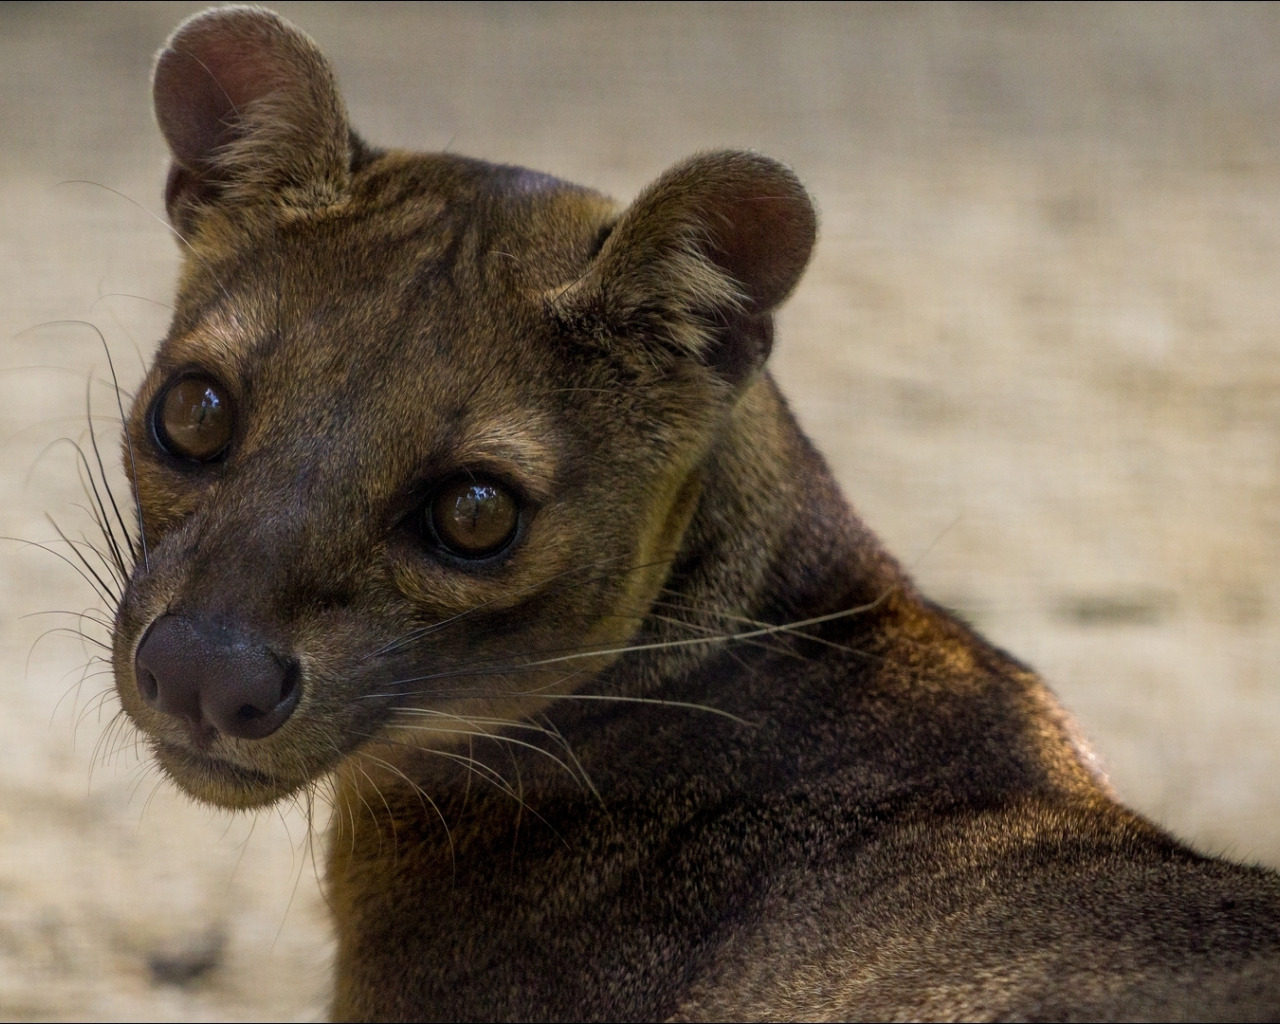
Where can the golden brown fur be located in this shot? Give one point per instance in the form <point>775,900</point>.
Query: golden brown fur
<point>688,743</point>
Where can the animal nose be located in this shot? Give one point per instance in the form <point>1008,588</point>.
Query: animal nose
<point>212,676</point>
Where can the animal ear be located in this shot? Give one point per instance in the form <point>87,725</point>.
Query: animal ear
<point>704,255</point>
<point>249,108</point>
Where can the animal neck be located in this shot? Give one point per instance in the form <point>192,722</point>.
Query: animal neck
<point>771,543</point>
<point>772,540</point>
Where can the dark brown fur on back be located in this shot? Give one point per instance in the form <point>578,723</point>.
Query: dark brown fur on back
<point>684,742</point>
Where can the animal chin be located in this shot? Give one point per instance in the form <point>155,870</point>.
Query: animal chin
<point>218,781</point>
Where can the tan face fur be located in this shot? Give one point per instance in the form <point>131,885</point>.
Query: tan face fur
<point>378,326</point>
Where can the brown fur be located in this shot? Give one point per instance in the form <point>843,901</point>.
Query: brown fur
<point>692,746</point>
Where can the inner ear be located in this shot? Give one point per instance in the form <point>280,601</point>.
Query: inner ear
<point>760,230</point>
<point>705,254</point>
<point>745,214</point>
<point>248,105</point>
<point>203,80</point>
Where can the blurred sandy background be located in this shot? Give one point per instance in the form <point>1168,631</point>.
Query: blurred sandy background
<point>1038,343</point>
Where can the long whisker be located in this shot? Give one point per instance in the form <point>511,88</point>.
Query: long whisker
<point>120,410</point>
<point>484,720</point>
<point>133,465</point>
<point>475,767</point>
<point>769,630</point>
<point>98,513</point>
<point>104,523</point>
<point>653,701</point>
<point>98,618</point>
<point>708,630</point>
<point>511,740</point>
<point>792,629</point>
<point>657,645</point>
<point>82,566</point>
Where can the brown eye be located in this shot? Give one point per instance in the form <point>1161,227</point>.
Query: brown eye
<point>193,419</point>
<point>474,518</point>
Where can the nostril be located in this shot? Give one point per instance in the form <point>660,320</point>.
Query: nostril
<point>289,686</point>
<point>280,690</point>
<point>148,687</point>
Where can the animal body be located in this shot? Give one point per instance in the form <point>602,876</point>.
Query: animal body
<point>466,492</point>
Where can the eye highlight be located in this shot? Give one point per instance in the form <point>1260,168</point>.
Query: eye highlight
<point>192,418</point>
<point>473,517</point>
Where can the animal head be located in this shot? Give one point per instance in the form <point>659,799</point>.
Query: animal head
<point>426,432</point>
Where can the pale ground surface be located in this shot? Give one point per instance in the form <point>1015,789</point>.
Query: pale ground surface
<point>1038,343</point>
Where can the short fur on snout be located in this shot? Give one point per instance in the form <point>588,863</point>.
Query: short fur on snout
<point>676,737</point>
